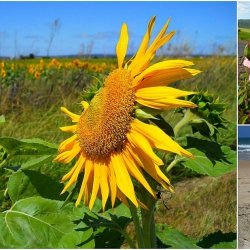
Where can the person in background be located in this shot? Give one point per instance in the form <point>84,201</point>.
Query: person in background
<point>246,61</point>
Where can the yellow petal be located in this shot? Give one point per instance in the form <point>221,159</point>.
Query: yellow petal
<point>161,92</point>
<point>68,156</point>
<point>71,128</point>
<point>165,65</point>
<point>80,161</point>
<point>123,179</point>
<point>143,62</point>
<point>136,173</point>
<point>162,41</point>
<point>144,44</point>
<point>104,184</point>
<point>67,144</point>
<point>158,37</point>
<point>112,183</point>
<point>150,167</point>
<point>158,139</point>
<point>166,103</point>
<point>139,141</point>
<point>73,178</point>
<point>85,105</point>
<point>88,169</point>
<point>165,77</point>
<point>96,184</point>
<point>74,117</point>
<point>122,45</point>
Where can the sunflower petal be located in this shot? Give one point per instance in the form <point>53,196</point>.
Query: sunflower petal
<point>166,103</point>
<point>150,167</point>
<point>67,144</point>
<point>144,44</point>
<point>88,169</point>
<point>73,178</point>
<point>80,161</point>
<point>158,139</point>
<point>96,184</point>
<point>161,92</point>
<point>68,156</point>
<point>112,183</point>
<point>165,65</point>
<point>123,179</point>
<point>139,141</point>
<point>104,184</point>
<point>71,128</point>
<point>74,117</point>
<point>85,105</point>
<point>165,77</point>
<point>136,173</point>
<point>122,45</point>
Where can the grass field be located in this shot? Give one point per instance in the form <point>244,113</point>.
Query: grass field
<point>243,34</point>
<point>201,205</point>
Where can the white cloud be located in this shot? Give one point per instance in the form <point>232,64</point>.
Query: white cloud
<point>244,10</point>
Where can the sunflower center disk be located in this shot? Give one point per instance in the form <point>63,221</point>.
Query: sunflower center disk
<point>103,127</point>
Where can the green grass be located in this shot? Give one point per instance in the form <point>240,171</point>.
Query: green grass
<point>244,34</point>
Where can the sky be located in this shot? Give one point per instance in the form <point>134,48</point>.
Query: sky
<point>93,27</point>
<point>244,131</point>
<point>243,10</point>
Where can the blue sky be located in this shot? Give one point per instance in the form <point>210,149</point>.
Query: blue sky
<point>95,26</point>
<point>244,131</point>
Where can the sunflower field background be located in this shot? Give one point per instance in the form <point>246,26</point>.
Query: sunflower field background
<point>200,214</point>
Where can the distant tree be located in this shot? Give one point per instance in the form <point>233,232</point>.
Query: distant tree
<point>54,28</point>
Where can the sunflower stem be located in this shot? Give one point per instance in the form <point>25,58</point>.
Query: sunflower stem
<point>184,121</point>
<point>138,228</point>
<point>148,223</point>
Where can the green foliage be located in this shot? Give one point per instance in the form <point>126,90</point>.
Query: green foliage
<point>207,118</point>
<point>219,240</point>
<point>33,183</point>
<point>2,119</point>
<point>36,222</point>
<point>211,158</point>
<point>244,34</point>
<point>37,216</point>
<point>172,238</point>
<point>27,153</point>
<point>243,96</point>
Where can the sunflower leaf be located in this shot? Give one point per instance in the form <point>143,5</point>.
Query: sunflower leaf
<point>219,240</point>
<point>33,183</point>
<point>171,237</point>
<point>211,158</point>
<point>36,222</point>
<point>27,153</point>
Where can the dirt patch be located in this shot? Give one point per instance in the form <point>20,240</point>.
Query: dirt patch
<point>244,226</point>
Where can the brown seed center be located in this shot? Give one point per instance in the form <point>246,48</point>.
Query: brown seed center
<point>103,127</point>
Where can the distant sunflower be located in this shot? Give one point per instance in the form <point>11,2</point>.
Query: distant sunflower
<point>111,145</point>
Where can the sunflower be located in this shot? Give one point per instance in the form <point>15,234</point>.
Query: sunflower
<point>110,144</point>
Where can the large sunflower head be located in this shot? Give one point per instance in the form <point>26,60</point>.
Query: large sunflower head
<point>109,143</point>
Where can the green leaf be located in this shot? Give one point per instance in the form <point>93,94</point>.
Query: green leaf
<point>37,161</point>
<point>27,152</point>
<point>171,237</point>
<point>210,157</point>
<point>36,222</point>
<point>2,119</point>
<point>26,183</point>
<point>141,114</point>
<point>108,227</point>
<point>219,240</point>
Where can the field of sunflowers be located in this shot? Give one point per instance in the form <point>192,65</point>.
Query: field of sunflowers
<point>200,211</point>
